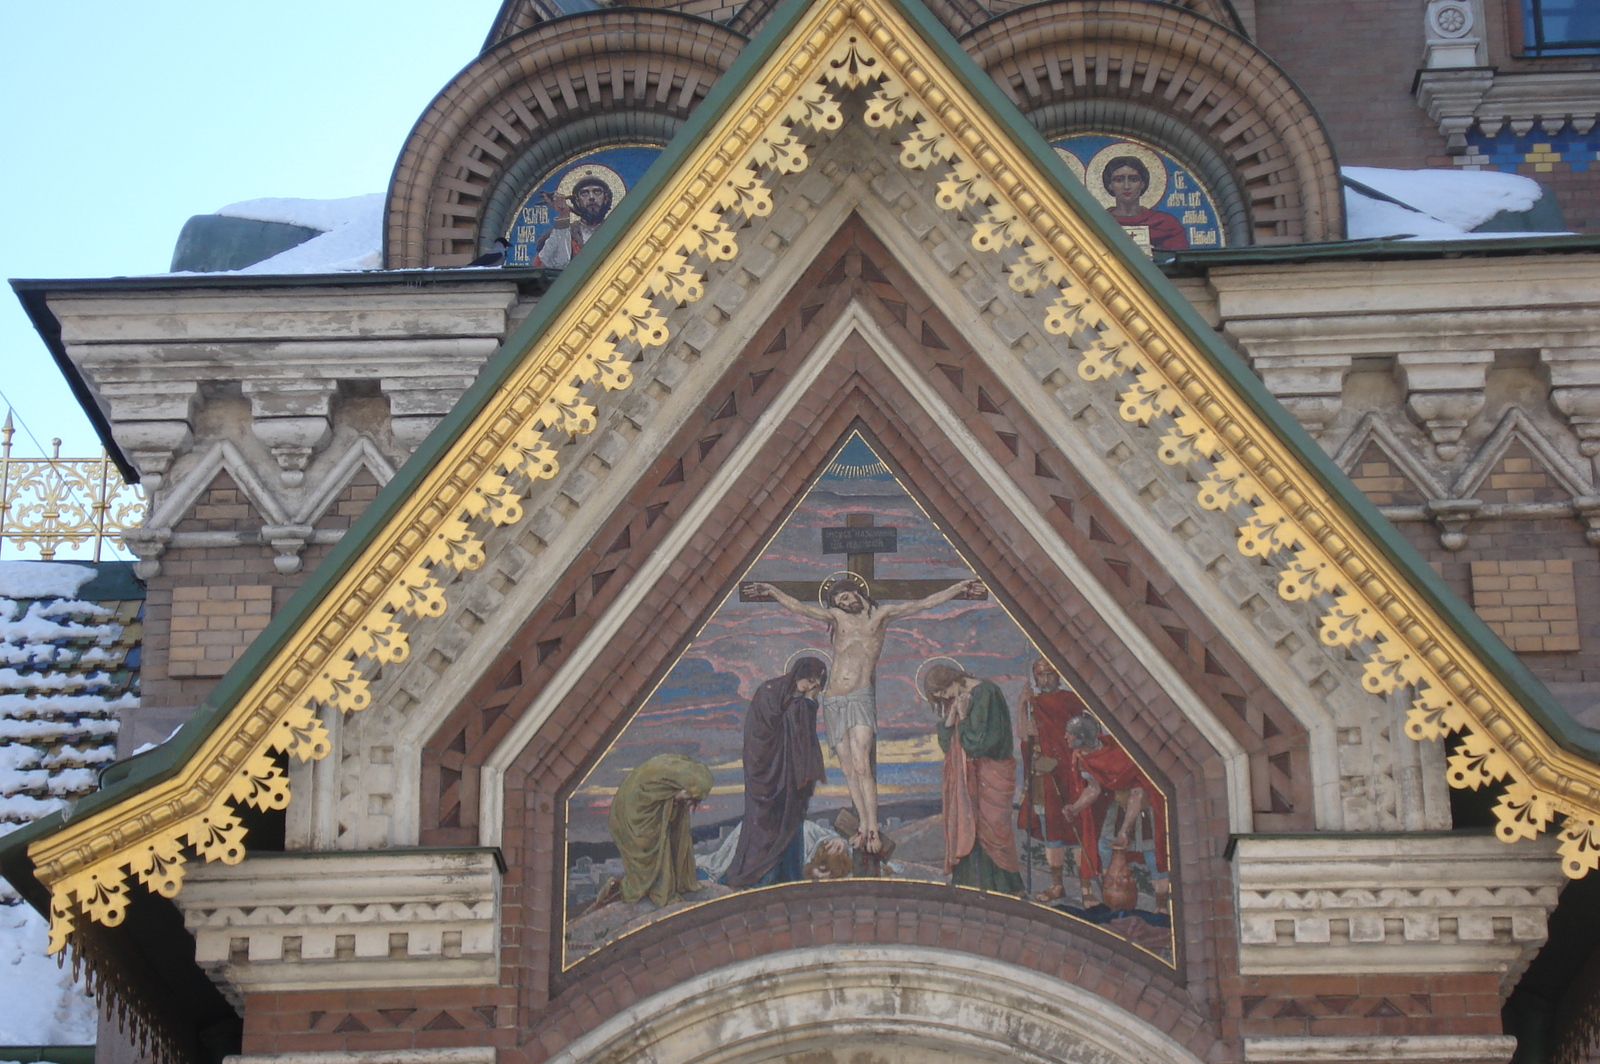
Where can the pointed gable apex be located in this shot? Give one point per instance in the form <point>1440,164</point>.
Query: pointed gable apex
<point>1120,325</point>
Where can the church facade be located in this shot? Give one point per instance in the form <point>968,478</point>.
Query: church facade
<point>928,541</point>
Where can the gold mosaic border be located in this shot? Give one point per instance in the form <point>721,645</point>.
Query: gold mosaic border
<point>1123,337</point>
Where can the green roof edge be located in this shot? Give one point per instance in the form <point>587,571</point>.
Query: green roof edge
<point>160,763</point>
<point>1508,668</point>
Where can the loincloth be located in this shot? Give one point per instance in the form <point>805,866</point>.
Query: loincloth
<point>840,713</point>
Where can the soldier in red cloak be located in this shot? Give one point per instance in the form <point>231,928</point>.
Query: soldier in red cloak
<point>1077,777</point>
<point>1113,806</point>
<point>1047,757</point>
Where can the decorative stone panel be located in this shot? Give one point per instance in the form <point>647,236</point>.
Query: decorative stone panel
<point>323,921</point>
<point>1442,902</point>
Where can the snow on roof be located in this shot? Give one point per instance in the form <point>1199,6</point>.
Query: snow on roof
<point>67,667</point>
<point>34,580</point>
<point>352,233</point>
<point>1444,204</point>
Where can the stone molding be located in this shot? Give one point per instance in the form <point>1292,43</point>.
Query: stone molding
<point>454,1055</point>
<point>1414,903</point>
<point>1401,1049</point>
<point>326,921</point>
<point>1442,322</point>
<point>814,999</point>
<point>1458,99</point>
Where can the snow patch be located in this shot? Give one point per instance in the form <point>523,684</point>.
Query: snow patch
<point>352,233</point>
<point>1448,203</point>
<point>34,580</point>
<point>43,1006</point>
<point>1464,199</point>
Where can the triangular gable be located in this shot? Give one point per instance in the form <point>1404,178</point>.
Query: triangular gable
<point>1535,472</point>
<point>1159,365</point>
<point>1385,469</point>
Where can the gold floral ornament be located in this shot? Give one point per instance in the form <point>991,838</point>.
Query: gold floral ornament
<point>1092,298</point>
<point>55,502</point>
<point>479,484</point>
<point>1098,311</point>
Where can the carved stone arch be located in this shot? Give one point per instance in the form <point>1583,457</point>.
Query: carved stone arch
<point>903,1002</point>
<point>1197,152</point>
<point>640,66</point>
<point>1197,71</point>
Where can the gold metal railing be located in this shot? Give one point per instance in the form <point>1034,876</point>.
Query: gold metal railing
<point>54,502</point>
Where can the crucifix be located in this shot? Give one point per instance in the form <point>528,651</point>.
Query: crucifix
<point>860,540</point>
<point>857,626</point>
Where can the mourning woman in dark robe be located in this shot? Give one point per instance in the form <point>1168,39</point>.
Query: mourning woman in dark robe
<point>782,766</point>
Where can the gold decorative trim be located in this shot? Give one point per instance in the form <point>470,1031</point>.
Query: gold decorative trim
<point>1091,296</point>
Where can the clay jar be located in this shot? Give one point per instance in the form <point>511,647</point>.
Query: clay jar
<point>1117,887</point>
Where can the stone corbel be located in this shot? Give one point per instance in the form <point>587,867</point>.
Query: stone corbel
<point>153,423</point>
<point>1444,391</point>
<point>1587,508</point>
<point>1575,392</point>
<point>1310,387</point>
<point>292,418</point>
<point>1452,515</point>
<point>288,541</point>
<point>148,544</point>
<point>417,404</point>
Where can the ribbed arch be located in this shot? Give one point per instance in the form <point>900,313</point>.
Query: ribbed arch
<point>621,74</point>
<point>1246,115</point>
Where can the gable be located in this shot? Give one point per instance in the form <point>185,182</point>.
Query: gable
<point>1113,323</point>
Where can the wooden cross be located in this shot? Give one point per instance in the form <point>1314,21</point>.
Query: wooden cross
<point>860,541</point>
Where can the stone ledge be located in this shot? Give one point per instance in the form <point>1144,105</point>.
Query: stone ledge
<point>310,921</point>
<point>461,1055</point>
<point>1420,1049</point>
<point>1404,903</point>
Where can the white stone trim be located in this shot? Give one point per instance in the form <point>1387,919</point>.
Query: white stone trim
<point>1432,903</point>
<point>324,921</point>
<point>458,1055</point>
<point>856,321</point>
<point>1381,1049</point>
<point>955,1006</point>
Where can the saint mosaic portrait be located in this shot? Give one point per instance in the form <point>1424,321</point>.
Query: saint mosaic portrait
<point>568,204</point>
<point>862,706</point>
<point>1160,202</point>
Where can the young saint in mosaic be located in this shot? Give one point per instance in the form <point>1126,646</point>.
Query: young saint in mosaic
<point>862,706</point>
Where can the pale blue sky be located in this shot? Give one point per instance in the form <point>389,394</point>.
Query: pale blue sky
<point>121,119</point>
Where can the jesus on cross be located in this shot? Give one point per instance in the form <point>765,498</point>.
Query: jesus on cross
<point>849,703</point>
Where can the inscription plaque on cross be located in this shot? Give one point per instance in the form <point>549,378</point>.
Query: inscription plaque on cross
<point>860,540</point>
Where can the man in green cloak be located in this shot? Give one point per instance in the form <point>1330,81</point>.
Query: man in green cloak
<point>650,825</point>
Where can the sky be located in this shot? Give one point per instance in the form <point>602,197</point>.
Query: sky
<point>121,120</point>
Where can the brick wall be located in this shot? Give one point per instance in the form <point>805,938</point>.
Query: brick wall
<point>208,603</point>
<point>1355,60</point>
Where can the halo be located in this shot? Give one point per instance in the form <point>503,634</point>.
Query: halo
<point>922,695</point>
<point>1093,178</point>
<point>1073,163</point>
<point>843,574</point>
<point>808,652</point>
<point>612,179</point>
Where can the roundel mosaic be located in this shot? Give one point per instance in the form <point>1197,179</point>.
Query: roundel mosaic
<point>570,202</point>
<point>1161,203</point>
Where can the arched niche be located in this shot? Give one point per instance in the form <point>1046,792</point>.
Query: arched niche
<point>572,83</point>
<point>1184,82</point>
<point>889,1005</point>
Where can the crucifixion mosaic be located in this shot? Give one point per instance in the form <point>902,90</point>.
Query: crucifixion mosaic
<point>861,706</point>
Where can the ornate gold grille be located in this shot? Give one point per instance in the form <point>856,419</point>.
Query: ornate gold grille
<point>53,502</point>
